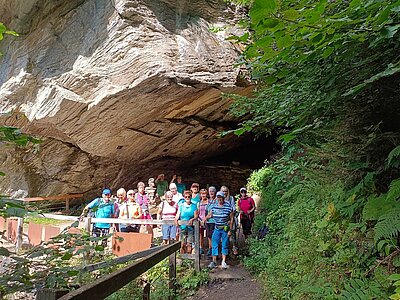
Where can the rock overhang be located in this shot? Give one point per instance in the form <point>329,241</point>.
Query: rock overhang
<point>123,82</point>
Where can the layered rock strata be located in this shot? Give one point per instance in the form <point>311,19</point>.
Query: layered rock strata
<point>119,90</point>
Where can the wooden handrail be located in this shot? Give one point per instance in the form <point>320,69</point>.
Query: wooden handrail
<point>62,197</point>
<point>105,286</point>
<point>136,221</point>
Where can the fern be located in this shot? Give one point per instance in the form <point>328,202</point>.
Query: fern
<point>388,225</point>
<point>394,191</point>
<point>393,159</point>
<point>358,289</point>
<point>377,206</point>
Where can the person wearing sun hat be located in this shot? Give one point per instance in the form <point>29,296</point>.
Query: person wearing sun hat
<point>104,209</point>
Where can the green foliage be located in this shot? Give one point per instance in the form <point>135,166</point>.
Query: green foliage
<point>12,135</point>
<point>394,158</point>
<point>388,225</point>
<point>4,30</point>
<point>396,279</point>
<point>306,54</point>
<point>321,242</point>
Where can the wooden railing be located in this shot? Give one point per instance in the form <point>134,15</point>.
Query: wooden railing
<point>66,198</point>
<point>196,256</point>
<point>105,286</point>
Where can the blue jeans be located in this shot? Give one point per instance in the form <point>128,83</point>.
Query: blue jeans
<point>218,235</point>
<point>168,232</point>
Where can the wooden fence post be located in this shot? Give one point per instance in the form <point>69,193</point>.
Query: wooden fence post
<point>197,246</point>
<point>50,294</point>
<point>20,233</point>
<point>172,275</point>
<point>146,291</point>
<point>88,223</point>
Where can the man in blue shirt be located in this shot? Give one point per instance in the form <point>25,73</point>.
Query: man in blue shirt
<point>104,208</point>
<point>222,212</point>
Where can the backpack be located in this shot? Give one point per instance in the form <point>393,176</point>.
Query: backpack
<point>262,232</point>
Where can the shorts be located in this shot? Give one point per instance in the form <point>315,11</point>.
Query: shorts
<point>129,228</point>
<point>169,232</point>
<point>210,229</point>
<point>188,234</point>
<point>98,232</point>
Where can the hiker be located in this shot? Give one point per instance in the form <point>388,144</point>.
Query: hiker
<point>130,210</point>
<point>210,223</point>
<point>161,185</point>
<point>143,202</point>
<point>246,207</point>
<point>202,216</point>
<point>222,213</point>
<point>195,193</point>
<point>229,199</point>
<point>104,209</point>
<point>177,197</point>
<point>167,211</point>
<point>187,212</point>
<point>121,199</point>
<point>181,187</point>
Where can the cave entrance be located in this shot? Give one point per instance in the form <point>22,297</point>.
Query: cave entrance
<point>232,168</point>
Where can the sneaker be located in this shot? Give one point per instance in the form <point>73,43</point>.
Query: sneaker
<point>209,252</point>
<point>224,265</point>
<point>212,265</point>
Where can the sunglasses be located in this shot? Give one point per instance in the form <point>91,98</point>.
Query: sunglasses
<point>186,197</point>
<point>243,192</point>
<point>130,194</point>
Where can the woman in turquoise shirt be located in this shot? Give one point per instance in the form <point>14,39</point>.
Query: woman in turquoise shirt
<point>187,212</point>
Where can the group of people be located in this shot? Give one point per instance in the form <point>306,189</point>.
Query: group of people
<point>217,211</point>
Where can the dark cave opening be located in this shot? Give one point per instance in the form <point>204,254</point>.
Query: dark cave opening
<point>232,168</point>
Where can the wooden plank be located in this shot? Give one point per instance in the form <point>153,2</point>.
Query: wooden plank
<point>124,243</point>
<point>35,233</point>
<point>197,246</point>
<point>88,224</point>
<point>121,260</point>
<point>20,232</point>
<point>50,294</point>
<point>62,197</point>
<point>172,275</point>
<point>136,221</point>
<point>146,291</point>
<point>105,286</point>
<point>59,217</point>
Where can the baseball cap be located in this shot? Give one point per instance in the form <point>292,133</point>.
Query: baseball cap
<point>220,194</point>
<point>243,189</point>
<point>106,191</point>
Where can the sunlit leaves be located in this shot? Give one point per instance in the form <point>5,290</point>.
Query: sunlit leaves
<point>310,54</point>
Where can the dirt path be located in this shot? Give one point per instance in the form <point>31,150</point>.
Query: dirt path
<point>234,283</point>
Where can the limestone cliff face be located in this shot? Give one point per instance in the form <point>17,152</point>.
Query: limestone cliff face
<point>118,89</point>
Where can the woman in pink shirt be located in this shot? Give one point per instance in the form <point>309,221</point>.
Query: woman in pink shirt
<point>202,216</point>
<point>246,206</point>
<point>167,211</point>
<point>143,202</point>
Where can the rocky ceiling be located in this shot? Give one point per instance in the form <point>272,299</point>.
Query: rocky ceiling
<point>118,90</point>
